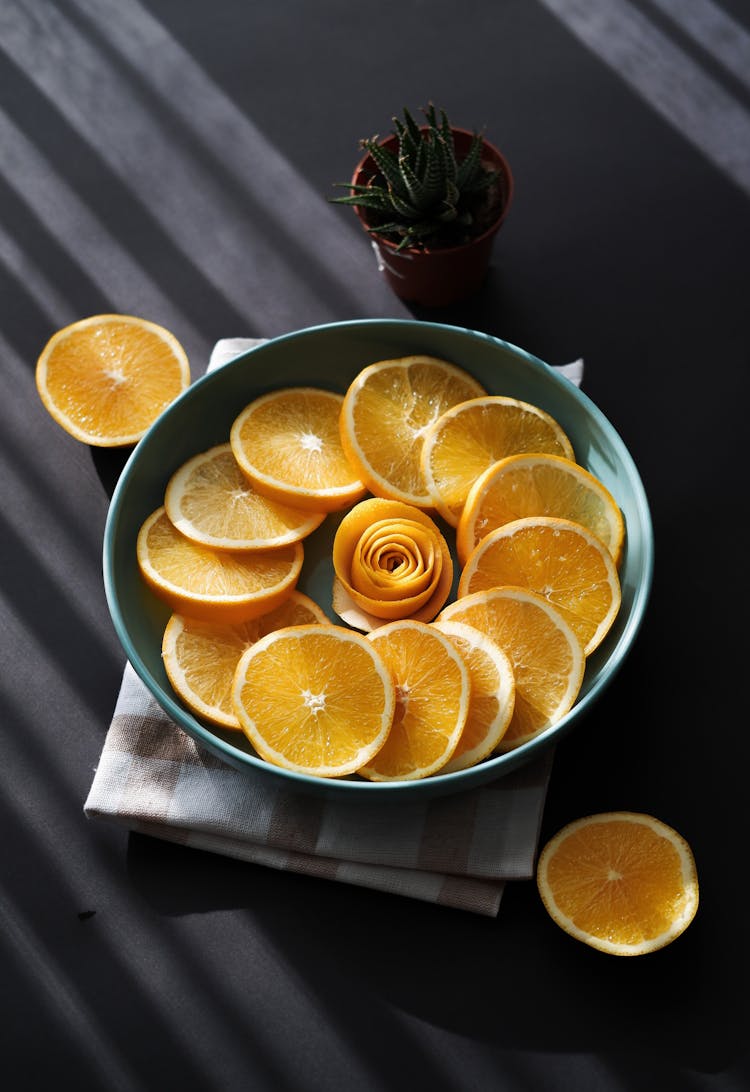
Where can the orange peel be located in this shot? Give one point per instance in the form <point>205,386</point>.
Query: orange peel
<point>391,562</point>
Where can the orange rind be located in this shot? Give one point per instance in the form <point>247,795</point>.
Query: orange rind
<point>392,561</point>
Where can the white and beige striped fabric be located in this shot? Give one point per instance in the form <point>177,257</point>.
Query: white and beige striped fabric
<point>457,851</point>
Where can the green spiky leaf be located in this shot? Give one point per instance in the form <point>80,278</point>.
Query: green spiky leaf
<point>422,192</point>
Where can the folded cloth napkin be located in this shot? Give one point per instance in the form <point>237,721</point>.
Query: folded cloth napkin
<point>456,851</point>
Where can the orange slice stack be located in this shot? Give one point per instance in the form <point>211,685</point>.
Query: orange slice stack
<point>470,437</point>
<point>200,658</point>
<point>387,411</point>
<point>538,485</point>
<point>433,690</point>
<point>493,694</point>
<point>214,585</point>
<point>211,501</point>
<point>547,657</point>
<point>560,560</point>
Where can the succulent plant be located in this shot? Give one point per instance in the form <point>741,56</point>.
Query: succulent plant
<point>421,194</point>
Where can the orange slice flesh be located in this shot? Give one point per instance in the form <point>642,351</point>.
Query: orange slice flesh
<point>392,560</point>
<point>105,379</point>
<point>621,882</point>
<point>386,412</point>
<point>560,560</point>
<point>211,501</point>
<point>288,444</point>
<point>200,658</point>
<point>493,694</point>
<point>316,700</point>
<point>470,437</point>
<point>547,657</point>
<point>433,689</point>
<point>538,485</point>
<point>214,585</point>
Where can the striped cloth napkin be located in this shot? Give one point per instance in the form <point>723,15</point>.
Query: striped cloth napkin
<point>456,851</point>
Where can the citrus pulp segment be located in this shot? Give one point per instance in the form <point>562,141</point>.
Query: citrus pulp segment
<point>433,689</point>
<point>558,559</point>
<point>211,501</point>
<point>538,485</point>
<point>621,882</point>
<point>386,412</point>
<point>200,658</point>
<point>316,700</point>
<point>469,437</point>
<point>214,585</point>
<point>288,444</point>
<point>105,379</point>
<point>493,694</point>
<point>547,657</point>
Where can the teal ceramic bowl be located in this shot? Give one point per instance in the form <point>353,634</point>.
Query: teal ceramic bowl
<point>330,356</point>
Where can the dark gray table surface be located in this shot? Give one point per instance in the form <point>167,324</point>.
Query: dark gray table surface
<point>173,159</point>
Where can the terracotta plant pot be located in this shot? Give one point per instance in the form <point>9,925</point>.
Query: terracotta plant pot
<point>442,275</point>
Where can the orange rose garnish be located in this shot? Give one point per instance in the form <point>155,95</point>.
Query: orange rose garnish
<point>391,561</point>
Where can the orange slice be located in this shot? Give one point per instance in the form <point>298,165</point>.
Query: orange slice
<point>214,585</point>
<point>314,699</point>
<point>470,437</point>
<point>622,882</point>
<point>493,694</point>
<point>547,657</point>
<point>200,658</point>
<point>211,501</point>
<point>287,442</point>
<point>538,485</point>
<point>433,688</point>
<point>387,410</point>
<point>392,561</point>
<point>106,379</point>
<point>560,560</point>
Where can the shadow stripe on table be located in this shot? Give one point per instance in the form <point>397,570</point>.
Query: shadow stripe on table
<point>669,80</point>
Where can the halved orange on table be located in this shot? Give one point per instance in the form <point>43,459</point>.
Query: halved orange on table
<point>622,882</point>
<point>105,379</point>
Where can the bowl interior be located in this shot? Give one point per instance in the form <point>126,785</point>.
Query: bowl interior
<point>330,356</point>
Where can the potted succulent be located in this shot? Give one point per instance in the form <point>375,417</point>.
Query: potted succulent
<point>432,198</point>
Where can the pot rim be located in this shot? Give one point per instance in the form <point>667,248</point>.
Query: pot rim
<point>499,161</point>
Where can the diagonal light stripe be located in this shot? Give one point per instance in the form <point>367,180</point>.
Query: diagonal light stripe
<point>669,81</point>
<point>83,237</point>
<point>61,995</point>
<point>253,256</point>
<point>714,30</point>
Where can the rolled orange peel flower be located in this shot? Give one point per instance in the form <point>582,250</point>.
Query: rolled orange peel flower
<point>391,561</point>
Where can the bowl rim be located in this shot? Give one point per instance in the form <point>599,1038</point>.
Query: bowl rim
<point>490,769</point>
